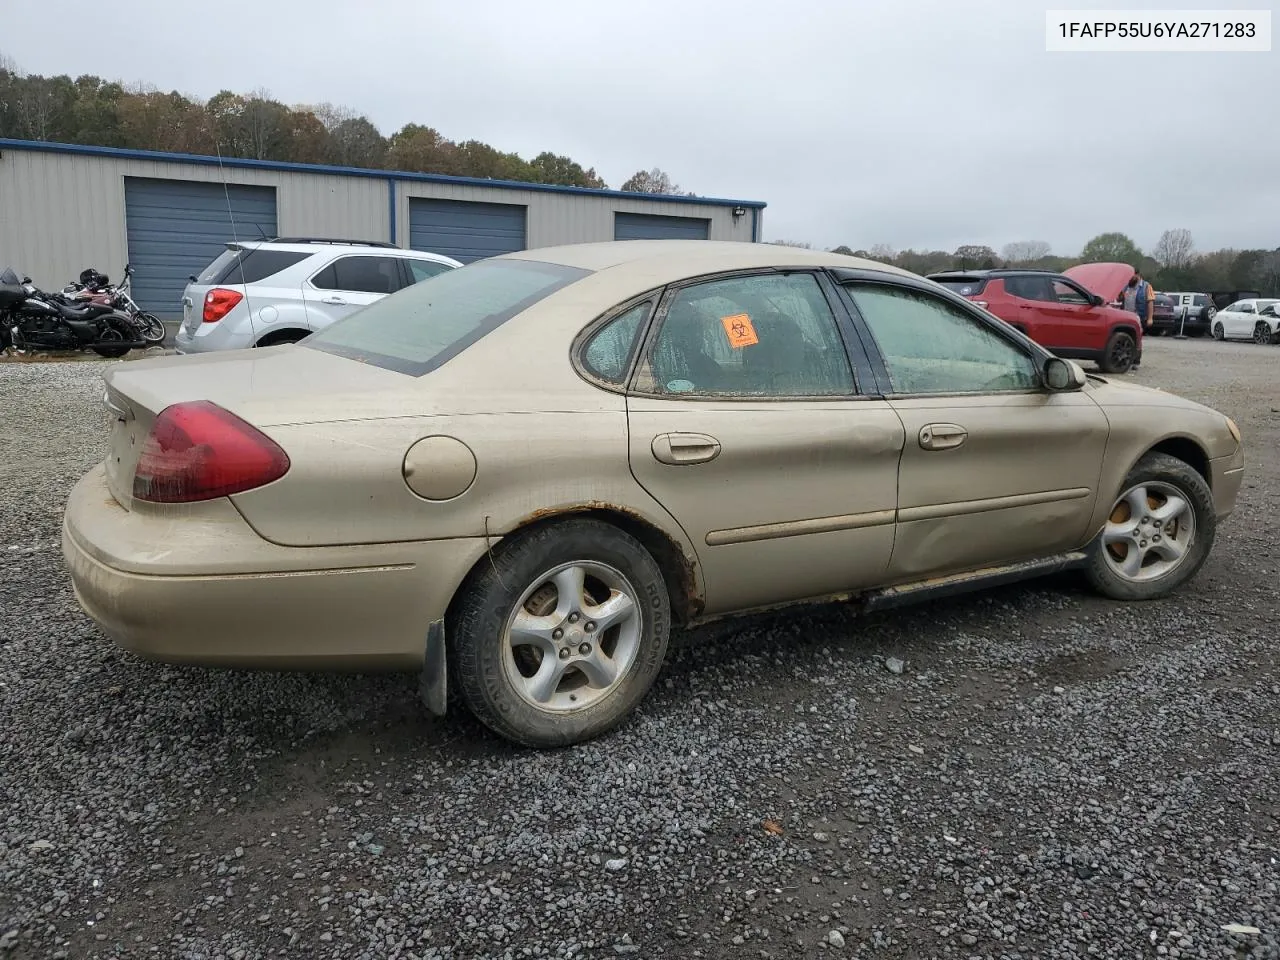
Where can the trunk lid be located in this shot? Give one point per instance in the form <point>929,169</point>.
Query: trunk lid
<point>1107,280</point>
<point>266,387</point>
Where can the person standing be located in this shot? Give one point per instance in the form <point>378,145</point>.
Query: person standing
<point>1140,298</point>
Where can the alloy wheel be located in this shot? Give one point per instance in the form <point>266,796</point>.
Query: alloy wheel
<point>1149,532</point>
<point>572,637</point>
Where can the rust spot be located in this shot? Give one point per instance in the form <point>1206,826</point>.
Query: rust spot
<point>678,567</point>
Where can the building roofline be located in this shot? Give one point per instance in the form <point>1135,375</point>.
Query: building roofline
<point>281,166</point>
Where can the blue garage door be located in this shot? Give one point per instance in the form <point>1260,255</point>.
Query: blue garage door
<point>647,226</point>
<point>177,227</point>
<point>464,230</point>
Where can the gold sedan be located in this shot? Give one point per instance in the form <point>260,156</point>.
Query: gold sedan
<point>518,476</point>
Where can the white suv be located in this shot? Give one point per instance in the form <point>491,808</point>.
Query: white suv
<point>262,293</point>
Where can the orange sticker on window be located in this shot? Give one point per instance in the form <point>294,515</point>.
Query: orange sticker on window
<point>739,330</point>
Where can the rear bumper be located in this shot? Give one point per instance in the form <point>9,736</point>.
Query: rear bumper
<point>254,604</point>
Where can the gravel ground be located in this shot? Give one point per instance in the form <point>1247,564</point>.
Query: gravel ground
<point>1050,775</point>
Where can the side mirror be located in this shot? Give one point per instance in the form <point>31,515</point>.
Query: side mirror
<point>1097,301</point>
<point>26,280</point>
<point>1062,375</point>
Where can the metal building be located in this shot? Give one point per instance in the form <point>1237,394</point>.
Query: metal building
<point>65,207</point>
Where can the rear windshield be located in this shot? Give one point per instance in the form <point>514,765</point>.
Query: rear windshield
<point>424,326</point>
<point>965,286</point>
<point>236,265</point>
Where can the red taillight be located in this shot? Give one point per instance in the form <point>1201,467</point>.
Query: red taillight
<point>199,451</point>
<point>218,303</point>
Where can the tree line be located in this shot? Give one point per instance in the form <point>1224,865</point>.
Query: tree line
<point>1172,264</point>
<point>93,111</point>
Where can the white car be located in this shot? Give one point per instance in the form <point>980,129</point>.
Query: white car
<point>1256,320</point>
<point>262,293</point>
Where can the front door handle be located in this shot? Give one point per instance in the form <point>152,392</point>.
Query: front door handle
<point>942,436</point>
<point>679,449</point>
<point>335,301</point>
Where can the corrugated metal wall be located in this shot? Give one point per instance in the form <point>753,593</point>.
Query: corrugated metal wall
<point>62,212</point>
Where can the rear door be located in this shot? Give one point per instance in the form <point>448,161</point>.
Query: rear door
<point>750,426</point>
<point>348,283</point>
<point>995,468</point>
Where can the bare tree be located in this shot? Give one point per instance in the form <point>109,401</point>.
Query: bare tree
<point>791,243</point>
<point>1025,251</point>
<point>1174,248</point>
<point>882,252</point>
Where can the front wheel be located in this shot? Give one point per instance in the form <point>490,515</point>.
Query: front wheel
<point>560,634</point>
<point>151,327</point>
<point>1158,534</point>
<point>1218,332</point>
<point>1119,354</point>
<point>1262,332</point>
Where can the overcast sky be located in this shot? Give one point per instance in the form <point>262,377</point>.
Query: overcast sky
<point>916,123</point>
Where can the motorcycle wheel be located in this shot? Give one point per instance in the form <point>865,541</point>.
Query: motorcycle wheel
<point>111,353</point>
<point>151,327</point>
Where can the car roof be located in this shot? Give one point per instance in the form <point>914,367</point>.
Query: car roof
<point>320,246</point>
<point>664,261</point>
<point>990,272</point>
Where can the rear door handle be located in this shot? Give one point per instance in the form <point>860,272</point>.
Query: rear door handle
<point>679,449</point>
<point>335,301</point>
<point>942,436</point>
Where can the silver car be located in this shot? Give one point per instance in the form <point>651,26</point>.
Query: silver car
<point>267,292</point>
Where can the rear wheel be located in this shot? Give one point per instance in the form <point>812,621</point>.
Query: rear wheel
<point>281,337</point>
<point>560,634</point>
<point>1158,534</point>
<point>1119,354</point>
<point>1218,332</point>
<point>110,333</point>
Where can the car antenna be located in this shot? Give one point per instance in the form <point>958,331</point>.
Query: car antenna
<point>231,216</point>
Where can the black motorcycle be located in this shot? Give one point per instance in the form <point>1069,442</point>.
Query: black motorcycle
<point>33,320</point>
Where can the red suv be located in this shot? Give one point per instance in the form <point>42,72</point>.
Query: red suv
<point>1072,313</point>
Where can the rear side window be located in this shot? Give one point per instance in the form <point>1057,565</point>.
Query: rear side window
<point>608,353</point>
<point>424,326</point>
<point>1200,300</point>
<point>360,275</point>
<point>420,270</point>
<point>250,266</point>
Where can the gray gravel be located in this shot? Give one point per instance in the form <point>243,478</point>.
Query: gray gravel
<point>1048,775</point>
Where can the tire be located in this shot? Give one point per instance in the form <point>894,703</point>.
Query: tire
<point>112,332</point>
<point>1119,354</point>
<point>1218,332</point>
<point>1160,479</point>
<point>1261,332</point>
<point>494,677</point>
<point>151,327</point>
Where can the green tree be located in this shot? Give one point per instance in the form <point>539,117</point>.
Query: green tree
<point>650,181</point>
<point>845,251</point>
<point>1111,248</point>
<point>422,150</point>
<point>975,257</point>
<point>548,167</point>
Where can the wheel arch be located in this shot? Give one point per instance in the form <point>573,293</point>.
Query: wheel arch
<point>278,335</point>
<point>1187,450</point>
<point>679,569</point>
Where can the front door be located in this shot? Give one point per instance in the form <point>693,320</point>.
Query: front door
<point>995,468</point>
<point>747,424</point>
<point>1074,323</point>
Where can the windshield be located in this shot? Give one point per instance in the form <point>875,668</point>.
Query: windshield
<point>965,286</point>
<point>7,276</point>
<point>426,325</point>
